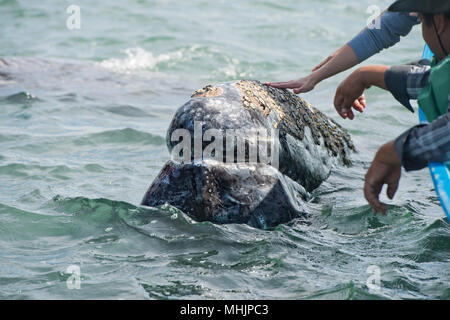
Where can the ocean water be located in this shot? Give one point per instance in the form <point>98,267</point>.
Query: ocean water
<point>83,117</point>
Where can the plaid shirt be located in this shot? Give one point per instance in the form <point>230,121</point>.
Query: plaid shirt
<point>423,143</point>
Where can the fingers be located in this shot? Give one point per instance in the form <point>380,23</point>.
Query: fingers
<point>343,108</point>
<point>282,85</point>
<point>357,105</point>
<point>372,189</point>
<point>371,193</point>
<point>382,207</point>
<point>343,112</point>
<point>392,189</point>
<point>383,170</point>
<point>343,103</point>
<point>300,85</point>
<point>362,100</point>
<point>338,100</point>
<point>302,89</point>
<point>350,114</point>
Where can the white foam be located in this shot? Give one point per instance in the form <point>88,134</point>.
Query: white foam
<point>139,59</point>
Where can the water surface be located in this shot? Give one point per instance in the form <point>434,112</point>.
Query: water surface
<point>83,117</point>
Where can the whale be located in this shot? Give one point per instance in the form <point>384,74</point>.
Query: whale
<point>244,152</point>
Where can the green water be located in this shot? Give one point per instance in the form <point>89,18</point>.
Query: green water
<point>83,117</point>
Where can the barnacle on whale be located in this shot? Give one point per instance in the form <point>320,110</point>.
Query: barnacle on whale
<point>296,114</point>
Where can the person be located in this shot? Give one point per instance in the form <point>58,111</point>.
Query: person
<point>424,143</point>
<point>393,25</point>
<point>370,41</point>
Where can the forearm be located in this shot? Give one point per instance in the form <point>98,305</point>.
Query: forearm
<point>367,43</point>
<point>343,59</point>
<point>387,154</point>
<point>373,76</point>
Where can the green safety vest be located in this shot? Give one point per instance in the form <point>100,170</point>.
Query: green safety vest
<point>433,99</point>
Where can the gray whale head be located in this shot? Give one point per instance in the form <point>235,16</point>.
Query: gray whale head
<point>243,152</point>
<point>207,190</point>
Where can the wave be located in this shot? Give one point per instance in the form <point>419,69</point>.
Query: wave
<point>47,173</point>
<point>44,144</point>
<point>117,233</point>
<point>128,111</point>
<point>13,137</point>
<point>20,97</point>
<point>213,61</point>
<point>26,170</point>
<point>120,136</point>
<point>139,59</point>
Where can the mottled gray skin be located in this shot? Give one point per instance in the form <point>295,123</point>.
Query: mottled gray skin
<point>253,193</point>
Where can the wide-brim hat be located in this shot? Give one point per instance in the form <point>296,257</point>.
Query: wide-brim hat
<point>421,6</point>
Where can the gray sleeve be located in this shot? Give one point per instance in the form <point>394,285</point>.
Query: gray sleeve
<point>423,144</point>
<point>396,79</point>
<point>406,81</point>
<point>393,25</point>
<point>417,79</point>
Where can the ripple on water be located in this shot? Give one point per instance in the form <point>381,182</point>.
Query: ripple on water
<point>128,111</point>
<point>36,172</point>
<point>121,136</point>
<point>433,245</point>
<point>20,98</point>
<point>117,234</point>
<point>67,124</point>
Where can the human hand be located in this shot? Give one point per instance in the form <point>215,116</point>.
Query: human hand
<point>385,169</point>
<point>350,95</point>
<point>360,103</point>
<point>300,85</point>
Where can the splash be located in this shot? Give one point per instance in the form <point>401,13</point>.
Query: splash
<point>139,59</point>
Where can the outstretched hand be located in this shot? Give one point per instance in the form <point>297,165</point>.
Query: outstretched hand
<point>340,60</point>
<point>301,85</point>
<point>304,84</point>
<point>385,169</point>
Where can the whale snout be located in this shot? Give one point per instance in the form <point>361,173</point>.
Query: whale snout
<point>255,194</point>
